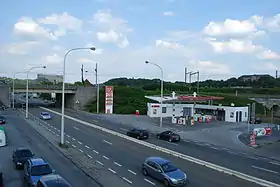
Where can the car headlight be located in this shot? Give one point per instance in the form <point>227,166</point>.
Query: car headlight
<point>19,163</point>
<point>185,176</point>
<point>173,180</point>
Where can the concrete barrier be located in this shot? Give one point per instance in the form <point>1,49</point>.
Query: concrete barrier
<point>240,175</point>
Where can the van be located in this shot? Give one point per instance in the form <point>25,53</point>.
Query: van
<point>3,140</point>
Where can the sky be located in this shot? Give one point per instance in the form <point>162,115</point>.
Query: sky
<point>218,38</point>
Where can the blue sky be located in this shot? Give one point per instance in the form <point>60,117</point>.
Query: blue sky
<point>219,38</point>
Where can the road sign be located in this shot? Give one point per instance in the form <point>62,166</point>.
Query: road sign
<point>109,99</point>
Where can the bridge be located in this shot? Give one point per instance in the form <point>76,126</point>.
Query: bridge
<point>40,88</point>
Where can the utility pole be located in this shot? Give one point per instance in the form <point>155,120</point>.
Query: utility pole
<point>82,73</point>
<point>196,73</point>
<point>186,73</point>
<point>97,89</point>
<point>276,74</point>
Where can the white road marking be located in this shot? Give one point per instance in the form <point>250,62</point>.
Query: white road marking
<point>172,143</point>
<point>105,157</point>
<point>74,145</point>
<point>67,135</point>
<point>147,180</point>
<point>81,150</point>
<point>107,142</point>
<point>123,129</point>
<point>231,152</point>
<point>131,172</point>
<point>89,156</point>
<point>100,163</point>
<point>80,142</point>
<point>76,128</point>
<point>50,130</point>
<point>275,163</point>
<point>251,157</point>
<point>67,141</point>
<point>73,139</point>
<point>268,170</point>
<point>214,148</point>
<point>117,164</point>
<point>127,180</point>
<point>112,170</point>
<point>95,151</point>
<point>87,147</point>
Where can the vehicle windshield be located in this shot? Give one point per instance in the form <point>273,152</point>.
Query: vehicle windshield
<point>168,167</point>
<point>45,114</point>
<point>24,153</point>
<point>41,170</point>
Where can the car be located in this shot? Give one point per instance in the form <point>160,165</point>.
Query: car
<point>169,136</point>
<point>258,120</point>
<point>20,156</point>
<point>138,133</point>
<point>52,180</point>
<point>2,120</point>
<point>45,116</point>
<point>34,169</point>
<point>163,171</point>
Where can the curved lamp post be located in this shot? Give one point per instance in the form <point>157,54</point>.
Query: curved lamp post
<point>161,88</point>
<point>63,89</point>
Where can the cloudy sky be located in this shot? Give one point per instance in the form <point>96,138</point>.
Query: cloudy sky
<point>219,38</point>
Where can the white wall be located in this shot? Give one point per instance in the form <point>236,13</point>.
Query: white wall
<point>179,110</point>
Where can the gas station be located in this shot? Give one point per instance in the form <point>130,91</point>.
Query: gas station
<point>187,109</point>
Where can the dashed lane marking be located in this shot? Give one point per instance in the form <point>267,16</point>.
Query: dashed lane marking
<point>95,151</point>
<point>275,163</point>
<point>87,147</point>
<point>80,142</point>
<point>76,128</point>
<point>113,171</point>
<point>107,142</point>
<point>81,150</point>
<point>74,145</point>
<point>131,172</point>
<point>264,169</point>
<point>67,135</point>
<point>67,141</point>
<point>89,156</point>
<point>73,139</point>
<point>100,163</point>
<point>105,157</point>
<point>117,164</point>
<point>147,180</point>
<point>127,180</point>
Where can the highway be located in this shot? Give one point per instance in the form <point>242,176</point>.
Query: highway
<point>124,158</point>
<point>21,134</point>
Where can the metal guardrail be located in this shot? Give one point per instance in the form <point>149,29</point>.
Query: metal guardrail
<point>47,87</point>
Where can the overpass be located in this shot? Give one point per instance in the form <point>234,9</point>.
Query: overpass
<point>75,96</point>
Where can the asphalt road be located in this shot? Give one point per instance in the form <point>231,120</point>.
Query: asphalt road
<point>20,134</point>
<point>125,157</point>
<point>260,167</point>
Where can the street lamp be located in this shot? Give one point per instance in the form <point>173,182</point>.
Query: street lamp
<point>161,88</point>
<point>63,90</point>
<point>97,88</point>
<point>14,76</point>
<point>26,95</point>
<point>249,117</point>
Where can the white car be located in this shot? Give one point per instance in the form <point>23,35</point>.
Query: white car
<point>45,116</point>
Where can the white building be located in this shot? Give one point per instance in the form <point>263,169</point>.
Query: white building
<point>175,107</point>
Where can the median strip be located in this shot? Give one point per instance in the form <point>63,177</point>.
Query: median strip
<point>176,154</point>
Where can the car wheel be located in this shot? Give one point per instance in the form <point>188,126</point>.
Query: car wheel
<point>144,171</point>
<point>166,183</point>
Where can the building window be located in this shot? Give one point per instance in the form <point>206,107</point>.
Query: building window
<point>163,109</point>
<point>155,111</point>
<point>232,115</point>
<point>245,114</point>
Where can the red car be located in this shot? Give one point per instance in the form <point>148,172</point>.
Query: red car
<point>2,120</point>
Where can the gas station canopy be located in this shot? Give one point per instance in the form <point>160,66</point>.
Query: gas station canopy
<point>184,98</point>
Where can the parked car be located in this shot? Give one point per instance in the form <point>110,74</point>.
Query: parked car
<point>169,136</point>
<point>138,133</point>
<point>20,156</point>
<point>45,116</point>
<point>52,180</point>
<point>2,120</point>
<point>162,170</point>
<point>34,169</point>
<point>258,120</point>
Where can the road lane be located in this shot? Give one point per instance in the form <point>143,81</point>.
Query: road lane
<point>20,134</point>
<point>130,155</point>
<point>213,154</point>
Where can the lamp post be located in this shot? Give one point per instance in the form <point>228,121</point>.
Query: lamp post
<point>14,76</point>
<point>249,117</point>
<point>161,88</point>
<point>97,88</point>
<point>63,89</point>
<point>26,95</point>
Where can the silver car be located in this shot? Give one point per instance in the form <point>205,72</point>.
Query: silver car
<point>162,170</point>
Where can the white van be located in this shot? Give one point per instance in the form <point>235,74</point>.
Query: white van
<point>3,140</point>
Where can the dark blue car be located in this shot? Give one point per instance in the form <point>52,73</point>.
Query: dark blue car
<point>34,169</point>
<point>162,170</point>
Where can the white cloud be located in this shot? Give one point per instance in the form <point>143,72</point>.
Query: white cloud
<point>52,59</point>
<point>210,67</point>
<point>65,22</point>
<point>84,60</point>
<point>112,29</point>
<point>22,48</point>
<point>28,27</point>
<point>168,13</point>
<point>269,55</point>
<point>169,45</point>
